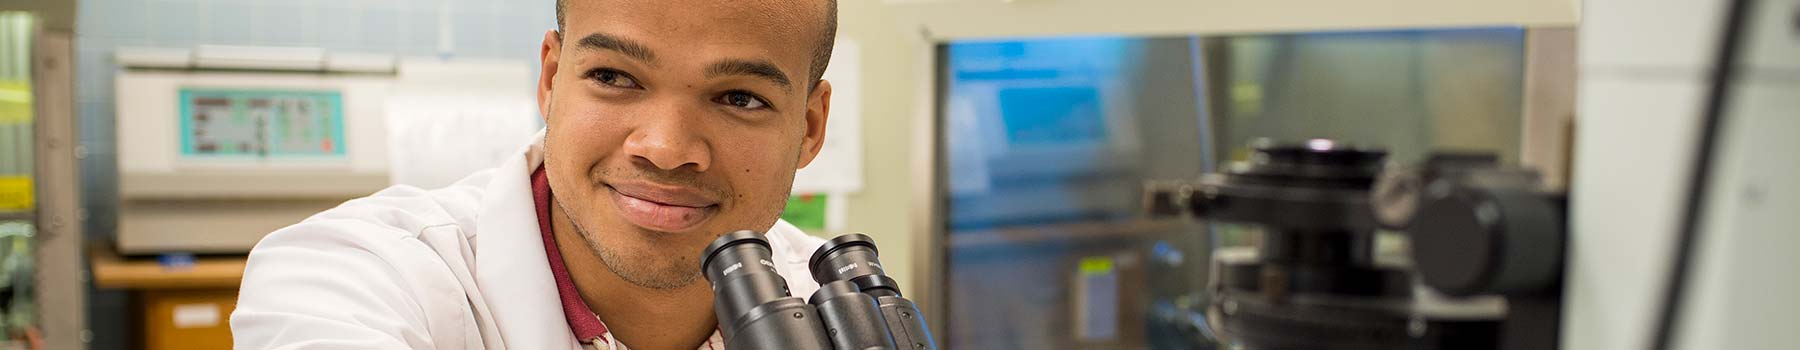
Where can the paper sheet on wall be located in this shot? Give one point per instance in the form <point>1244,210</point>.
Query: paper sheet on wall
<point>448,120</point>
<point>806,211</point>
<point>838,167</point>
<point>436,140</point>
<point>815,213</point>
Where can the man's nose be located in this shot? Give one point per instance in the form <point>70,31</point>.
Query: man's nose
<point>670,137</point>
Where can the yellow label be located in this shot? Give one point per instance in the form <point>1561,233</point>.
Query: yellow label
<point>15,193</point>
<point>1096,265</point>
<point>15,102</point>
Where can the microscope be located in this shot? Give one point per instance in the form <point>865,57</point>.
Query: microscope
<point>1482,250</point>
<point>857,306</point>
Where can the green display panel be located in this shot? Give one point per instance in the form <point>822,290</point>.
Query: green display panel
<point>261,123</point>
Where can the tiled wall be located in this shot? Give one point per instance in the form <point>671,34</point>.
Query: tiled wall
<point>485,29</point>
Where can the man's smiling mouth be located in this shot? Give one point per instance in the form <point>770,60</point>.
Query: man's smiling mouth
<point>661,207</point>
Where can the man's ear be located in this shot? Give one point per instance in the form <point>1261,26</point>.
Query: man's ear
<point>549,54</point>
<point>818,110</point>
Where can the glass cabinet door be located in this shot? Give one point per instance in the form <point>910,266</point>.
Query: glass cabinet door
<point>1048,143</point>
<point>17,190</point>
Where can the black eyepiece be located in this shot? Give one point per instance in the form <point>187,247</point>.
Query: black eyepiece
<point>852,257</point>
<point>730,247</point>
<point>742,275</point>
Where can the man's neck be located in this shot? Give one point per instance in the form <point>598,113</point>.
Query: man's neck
<point>640,317</point>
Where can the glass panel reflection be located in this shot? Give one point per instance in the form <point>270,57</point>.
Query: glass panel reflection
<point>1048,142</point>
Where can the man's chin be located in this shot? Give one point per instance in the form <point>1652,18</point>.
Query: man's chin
<point>660,281</point>
<point>641,268</point>
<point>699,234</point>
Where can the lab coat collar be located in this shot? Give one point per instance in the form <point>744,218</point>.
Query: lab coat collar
<point>509,259</point>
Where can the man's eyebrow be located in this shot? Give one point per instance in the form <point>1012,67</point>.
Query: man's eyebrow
<point>601,41</point>
<point>757,68</point>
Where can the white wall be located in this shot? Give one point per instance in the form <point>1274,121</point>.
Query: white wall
<point>1742,284</point>
<point>1644,77</point>
<point>890,74</point>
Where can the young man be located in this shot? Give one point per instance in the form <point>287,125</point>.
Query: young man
<point>670,123</point>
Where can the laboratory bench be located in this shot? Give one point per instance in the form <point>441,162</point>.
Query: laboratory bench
<point>185,304</point>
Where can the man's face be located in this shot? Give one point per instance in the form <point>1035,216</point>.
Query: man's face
<point>672,122</point>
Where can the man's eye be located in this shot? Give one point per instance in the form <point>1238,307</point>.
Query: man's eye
<point>613,78</point>
<point>742,100</point>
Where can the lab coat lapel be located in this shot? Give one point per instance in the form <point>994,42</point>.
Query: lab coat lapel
<point>510,265</point>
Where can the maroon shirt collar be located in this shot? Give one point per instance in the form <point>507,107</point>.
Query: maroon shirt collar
<point>582,320</point>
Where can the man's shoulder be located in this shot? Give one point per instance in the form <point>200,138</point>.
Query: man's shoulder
<point>413,207</point>
<point>385,265</point>
<point>397,211</point>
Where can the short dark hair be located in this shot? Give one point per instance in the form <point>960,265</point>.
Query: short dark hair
<point>821,55</point>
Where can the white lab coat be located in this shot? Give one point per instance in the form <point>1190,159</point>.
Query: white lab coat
<point>461,267</point>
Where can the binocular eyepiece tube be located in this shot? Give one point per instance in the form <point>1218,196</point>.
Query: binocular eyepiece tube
<point>751,300</point>
<point>856,307</point>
